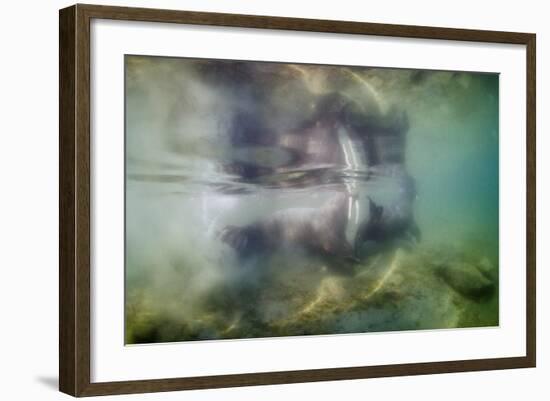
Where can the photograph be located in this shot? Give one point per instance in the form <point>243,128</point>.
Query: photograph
<point>269,199</point>
<point>249,198</point>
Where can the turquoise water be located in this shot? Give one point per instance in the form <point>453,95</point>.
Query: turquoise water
<point>273,199</point>
<point>459,175</point>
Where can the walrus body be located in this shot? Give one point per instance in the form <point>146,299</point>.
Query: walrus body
<point>317,232</point>
<point>341,139</point>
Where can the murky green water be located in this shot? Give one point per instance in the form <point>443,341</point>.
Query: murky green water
<point>271,200</point>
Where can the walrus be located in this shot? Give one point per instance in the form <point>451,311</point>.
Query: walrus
<point>318,232</point>
<point>341,139</point>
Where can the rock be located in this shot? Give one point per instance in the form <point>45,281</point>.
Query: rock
<point>467,280</point>
<point>487,268</point>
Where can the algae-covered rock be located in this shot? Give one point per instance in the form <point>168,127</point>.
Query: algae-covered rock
<point>467,279</point>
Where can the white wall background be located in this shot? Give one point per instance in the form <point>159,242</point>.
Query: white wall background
<point>29,184</point>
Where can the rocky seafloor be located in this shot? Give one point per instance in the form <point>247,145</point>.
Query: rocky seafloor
<point>427,287</point>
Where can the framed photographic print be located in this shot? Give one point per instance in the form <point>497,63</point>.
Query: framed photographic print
<point>251,200</point>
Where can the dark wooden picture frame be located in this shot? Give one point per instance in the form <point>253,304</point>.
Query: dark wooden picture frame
<point>74,199</point>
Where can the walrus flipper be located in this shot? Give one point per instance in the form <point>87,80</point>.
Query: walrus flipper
<point>370,229</point>
<point>375,211</point>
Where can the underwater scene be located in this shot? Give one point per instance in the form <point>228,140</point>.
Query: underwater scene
<point>271,199</point>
